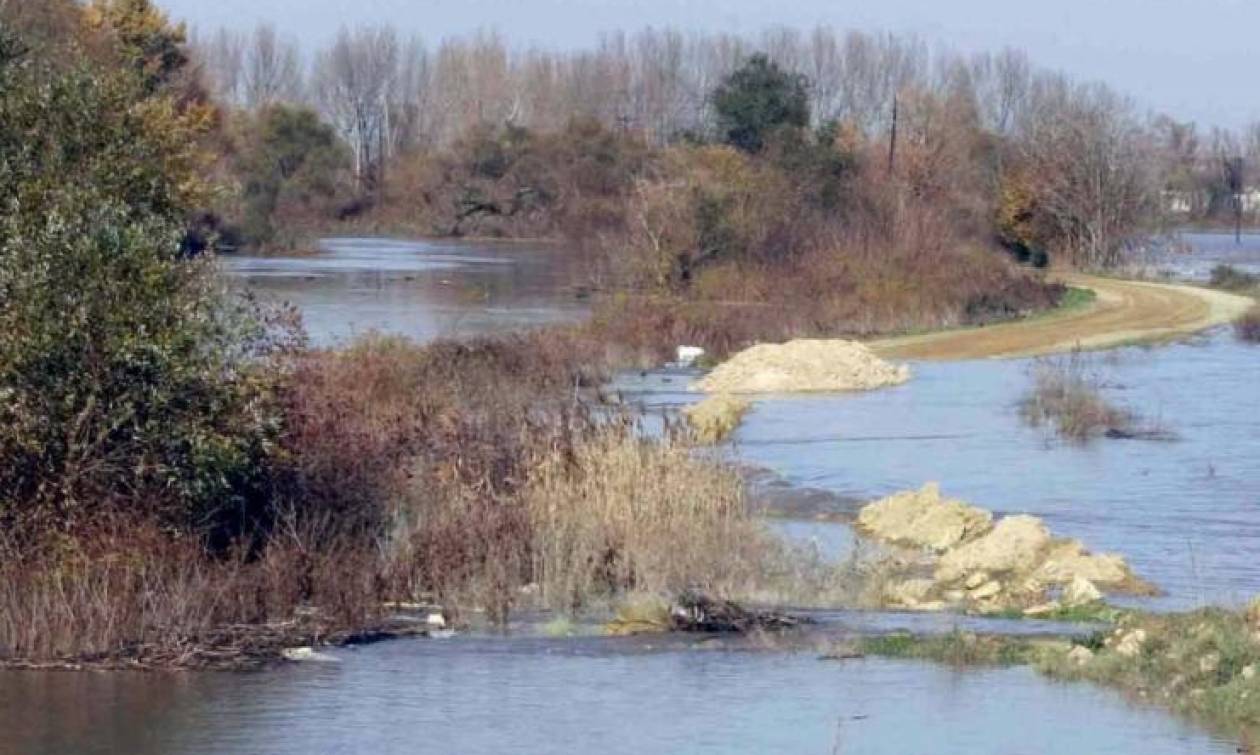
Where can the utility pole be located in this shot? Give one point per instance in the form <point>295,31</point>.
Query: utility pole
<point>892,141</point>
<point>1236,182</point>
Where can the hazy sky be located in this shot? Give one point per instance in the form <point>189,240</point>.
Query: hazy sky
<point>1192,58</point>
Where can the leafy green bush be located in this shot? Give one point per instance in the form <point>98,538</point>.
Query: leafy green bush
<point>292,167</point>
<point>127,378</point>
<point>757,99</point>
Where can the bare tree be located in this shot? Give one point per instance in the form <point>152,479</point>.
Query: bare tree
<point>221,59</point>
<point>1090,166</point>
<point>354,81</point>
<point>272,69</point>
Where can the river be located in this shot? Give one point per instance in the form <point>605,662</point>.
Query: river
<point>1183,512</point>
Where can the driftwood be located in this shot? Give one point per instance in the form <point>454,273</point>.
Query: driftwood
<point>472,205</point>
<point>696,612</point>
<point>238,647</point>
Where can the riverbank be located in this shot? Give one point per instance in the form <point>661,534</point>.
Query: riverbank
<point>1204,664</point>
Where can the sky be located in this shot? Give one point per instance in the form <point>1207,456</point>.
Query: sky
<point>1193,59</point>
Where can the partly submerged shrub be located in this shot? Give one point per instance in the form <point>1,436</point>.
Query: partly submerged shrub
<point>1247,327</point>
<point>715,418</point>
<point>1231,278</point>
<point>1067,394</point>
<point>620,513</point>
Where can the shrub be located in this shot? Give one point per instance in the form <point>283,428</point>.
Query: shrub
<point>1231,278</point>
<point>128,378</point>
<point>1067,393</point>
<point>293,170</point>
<point>1247,327</point>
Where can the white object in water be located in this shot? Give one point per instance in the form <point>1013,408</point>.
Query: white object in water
<point>689,355</point>
<point>436,620</point>
<point>305,654</point>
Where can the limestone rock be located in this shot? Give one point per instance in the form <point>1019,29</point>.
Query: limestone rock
<point>989,589</point>
<point>1042,609</point>
<point>923,519</point>
<point>1080,655</point>
<point>1081,592</point>
<point>714,419</point>
<point>1067,560</point>
<point>304,654</point>
<point>1209,663</point>
<point>909,593</point>
<point>1014,545</point>
<point>931,606</point>
<point>1130,644</point>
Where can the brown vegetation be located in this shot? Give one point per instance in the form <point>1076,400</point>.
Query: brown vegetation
<point>459,472</point>
<point>1247,327</point>
<point>1067,394</point>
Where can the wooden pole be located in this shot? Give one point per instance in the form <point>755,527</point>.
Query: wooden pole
<point>892,141</point>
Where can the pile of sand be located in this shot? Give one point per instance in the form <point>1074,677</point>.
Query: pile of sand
<point>804,365</point>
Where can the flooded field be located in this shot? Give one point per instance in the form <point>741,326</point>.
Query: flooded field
<point>1183,512</point>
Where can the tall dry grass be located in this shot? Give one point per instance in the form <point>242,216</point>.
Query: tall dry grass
<point>133,594</point>
<point>621,514</point>
<point>1066,393</point>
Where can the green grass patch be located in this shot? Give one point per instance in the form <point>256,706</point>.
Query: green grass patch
<point>1076,298</point>
<point>1204,664</point>
<point>956,648</point>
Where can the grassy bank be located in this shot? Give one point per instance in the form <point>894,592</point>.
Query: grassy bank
<point>1203,664</point>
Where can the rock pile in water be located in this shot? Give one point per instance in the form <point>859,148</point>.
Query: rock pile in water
<point>980,565</point>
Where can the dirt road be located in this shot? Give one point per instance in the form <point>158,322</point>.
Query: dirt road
<point>1122,312</point>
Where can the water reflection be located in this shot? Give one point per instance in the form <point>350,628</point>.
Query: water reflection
<point>421,289</point>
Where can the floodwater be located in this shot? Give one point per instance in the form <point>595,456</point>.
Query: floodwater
<point>420,289</point>
<point>1184,512</point>
<point>1194,253</point>
<point>527,695</point>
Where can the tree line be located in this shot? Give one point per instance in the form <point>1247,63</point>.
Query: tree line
<point>1099,168</point>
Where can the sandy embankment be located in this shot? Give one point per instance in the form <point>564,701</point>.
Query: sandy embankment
<point>1123,312</point>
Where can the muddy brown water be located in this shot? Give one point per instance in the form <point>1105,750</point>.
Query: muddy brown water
<point>1186,514</point>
